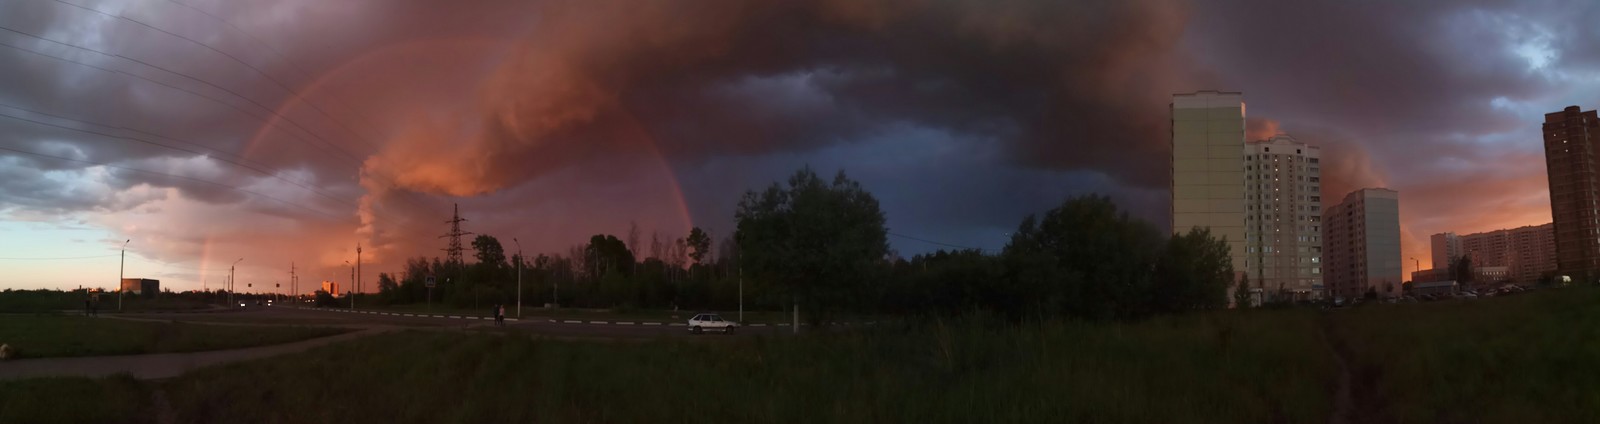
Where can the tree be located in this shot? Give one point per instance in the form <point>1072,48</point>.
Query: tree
<point>1084,259</point>
<point>699,245</point>
<point>815,243</point>
<point>609,253</point>
<point>489,251</point>
<point>1462,269</point>
<point>633,238</point>
<point>1193,272</point>
<point>388,289</point>
<point>1241,293</point>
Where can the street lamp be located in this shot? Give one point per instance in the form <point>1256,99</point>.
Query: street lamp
<point>121,267</point>
<point>520,258</point>
<point>352,285</point>
<point>230,281</point>
<point>1417,264</point>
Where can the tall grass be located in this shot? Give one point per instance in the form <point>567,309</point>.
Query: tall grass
<point>1532,357</point>
<point>1224,367</point>
<point>118,399</point>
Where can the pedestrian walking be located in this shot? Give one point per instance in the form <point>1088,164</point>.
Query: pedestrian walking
<point>500,315</point>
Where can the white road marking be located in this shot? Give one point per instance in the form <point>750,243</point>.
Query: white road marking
<point>624,322</point>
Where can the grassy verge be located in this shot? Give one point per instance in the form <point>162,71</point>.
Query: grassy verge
<point>1517,359</point>
<point>118,399</point>
<point>54,336</point>
<point>1196,369</point>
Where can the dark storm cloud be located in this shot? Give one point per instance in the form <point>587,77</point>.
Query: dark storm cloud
<point>1061,85</point>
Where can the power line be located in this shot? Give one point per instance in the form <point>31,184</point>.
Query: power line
<point>957,246</point>
<point>197,180</point>
<point>58,259</point>
<point>258,71</point>
<point>252,101</point>
<point>409,196</point>
<point>301,135</point>
<point>153,143</point>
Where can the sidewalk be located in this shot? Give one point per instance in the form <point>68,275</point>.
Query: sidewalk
<point>161,365</point>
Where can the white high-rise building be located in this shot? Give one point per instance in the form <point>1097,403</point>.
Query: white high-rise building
<point>1283,218</point>
<point>1207,169</point>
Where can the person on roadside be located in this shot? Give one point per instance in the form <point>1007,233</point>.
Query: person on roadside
<point>500,315</point>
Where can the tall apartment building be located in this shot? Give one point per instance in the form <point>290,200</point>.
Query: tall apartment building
<point>1283,216</point>
<point>1361,237</point>
<point>1445,248</point>
<point>1525,252</point>
<point>1570,138</point>
<point>1207,168</point>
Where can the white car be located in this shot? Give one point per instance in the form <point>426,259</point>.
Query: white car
<point>701,323</point>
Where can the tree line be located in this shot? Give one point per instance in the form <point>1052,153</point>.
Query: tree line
<point>821,246</point>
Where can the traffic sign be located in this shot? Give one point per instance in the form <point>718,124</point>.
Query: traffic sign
<point>431,282</point>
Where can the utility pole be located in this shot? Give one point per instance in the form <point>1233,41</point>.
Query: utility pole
<point>741,294</point>
<point>230,281</point>
<point>519,276</point>
<point>294,283</point>
<point>122,267</point>
<point>349,290</point>
<point>358,276</point>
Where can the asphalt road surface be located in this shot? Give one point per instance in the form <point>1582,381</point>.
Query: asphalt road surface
<point>617,328</point>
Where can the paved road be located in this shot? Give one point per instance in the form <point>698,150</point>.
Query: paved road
<point>612,328</point>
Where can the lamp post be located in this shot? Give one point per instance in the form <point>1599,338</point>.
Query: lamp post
<point>121,267</point>
<point>1417,264</point>
<point>519,276</point>
<point>349,290</point>
<point>741,294</point>
<point>230,281</point>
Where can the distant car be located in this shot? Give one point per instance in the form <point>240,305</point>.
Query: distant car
<point>702,322</point>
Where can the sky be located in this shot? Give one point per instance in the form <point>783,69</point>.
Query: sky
<point>266,135</point>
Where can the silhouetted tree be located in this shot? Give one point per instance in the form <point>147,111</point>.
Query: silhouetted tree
<point>1241,293</point>
<point>489,251</point>
<point>699,245</point>
<point>812,241</point>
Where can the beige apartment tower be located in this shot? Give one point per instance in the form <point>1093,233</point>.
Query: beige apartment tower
<point>1283,217</point>
<point>1207,167</point>
<point>1362,235</point>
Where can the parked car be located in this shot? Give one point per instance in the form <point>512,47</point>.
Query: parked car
<point>702,322</point>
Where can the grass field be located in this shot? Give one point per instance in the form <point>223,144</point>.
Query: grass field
<point>1516,359</point>
<point>118,399</point>
<point>1525,358</point>
<point>51,301</point>
<point>36,336</point>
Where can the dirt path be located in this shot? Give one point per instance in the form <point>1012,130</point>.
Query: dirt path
<point>161,365</point>
<point>1343,403</point>
<point>1357,398</point>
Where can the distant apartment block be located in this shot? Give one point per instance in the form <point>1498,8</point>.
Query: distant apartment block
<point>332,288</point>
<point>1283,217</point>
<point>1570,138</point>
<point>1446,247</point>
<point>1207,168</point>
<point>1361,239</point>
<point>1525,253</point>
